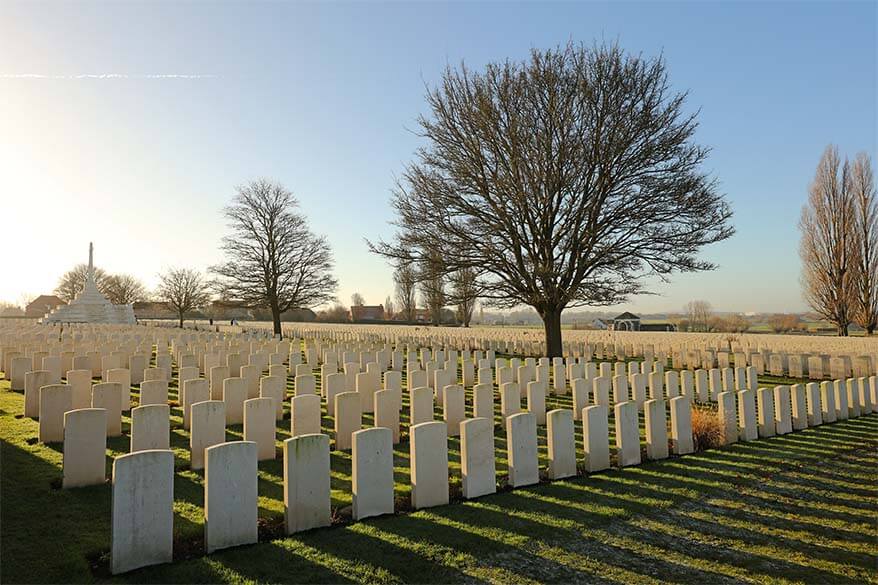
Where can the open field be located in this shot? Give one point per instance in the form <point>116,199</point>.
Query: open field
<point>797,508</point>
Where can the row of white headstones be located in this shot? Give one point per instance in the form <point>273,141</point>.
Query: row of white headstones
<point>213,404</point>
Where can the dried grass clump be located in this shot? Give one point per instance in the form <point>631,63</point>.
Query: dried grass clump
<point>707,429</point>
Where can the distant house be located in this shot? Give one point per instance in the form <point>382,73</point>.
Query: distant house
<point>631,322</point>
<point>367,313</point>
<point>600,324</point>
<point>626,322</point>
<point>42,305</point>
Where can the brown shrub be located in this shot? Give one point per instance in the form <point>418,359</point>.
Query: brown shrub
<point>707,430</point>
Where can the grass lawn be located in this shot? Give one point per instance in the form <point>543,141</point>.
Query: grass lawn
<point>797,508</point>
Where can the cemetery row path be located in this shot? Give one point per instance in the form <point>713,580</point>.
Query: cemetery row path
<point>798,508</point>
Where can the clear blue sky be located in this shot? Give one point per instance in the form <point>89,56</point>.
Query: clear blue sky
<point>323,97</point>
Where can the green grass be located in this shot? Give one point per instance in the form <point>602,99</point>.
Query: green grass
<point>797,508</point>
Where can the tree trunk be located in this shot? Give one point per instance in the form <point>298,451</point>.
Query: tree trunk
<point>841,330</point>
<point>552,325</point>
<point>181,319</point>
<point>275,317</point>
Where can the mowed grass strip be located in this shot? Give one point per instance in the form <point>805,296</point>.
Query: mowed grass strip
<point>796,508</point>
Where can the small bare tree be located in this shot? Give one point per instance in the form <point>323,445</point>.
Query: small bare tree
<point>783,322</point>
<point>337,313</point>
<point>405,281</point>
<point>698,313</point>
<point>273,259</point>
<point>73,280</point>
<point>862,186</point>
<point>464,292</point>
<point>357,300</point>
<point>565,180</point>
<point>124,289</point>
<point>828,245</point>
<point>183,289</point>
<point>389,309</point>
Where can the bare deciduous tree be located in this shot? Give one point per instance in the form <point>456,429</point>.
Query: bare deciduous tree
<point>183,289</point>
<point>273,259</point>
<point>828,245</point>
<point>862,185</point>
<point>464,292</point>
<point>357,300</point>
<point>405,280</point>
<point>124,289</point>
<point>698,314</point>
<point>432,281</point>
<point>564,181</point>
<point>73,280</point>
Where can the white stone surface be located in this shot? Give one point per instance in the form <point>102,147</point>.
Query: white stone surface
<point>428,458</point>
<point>55,400</point>
<point>478,466</point>
<point>234,395</point>
<point>782,410</point>
<point>194,390</point>
<point>387,412</point>
<point>217,376</point>
<point>372,472</point>
<point>142,529</point>
<point>150,427</point>
<point>259,426</point>
<point>682,441</point>
<point>108,395</point>
<point>18,368</point>
<point>747,415</point>
<point>421,405</point>
<point>483,401</point>
<point>348,419</point>
<point>306,483</point>
<point>85,445</point>
<point>305,415</point>
<point>521,446</point>
<point>823,403</point>
<point>595,437</point>
<point>510,399</point>
<point>656,424</point>
<point>122,376</point>
<point>536,401</point>
<point>230,495</point>
<point>799,406</point>
<point>561,444</point>
<point>842,412</point>
<point>453,408</point>
<point>33,381</point>
<point>333,385</point>
<point>627,434</point>
<point>208,429</point>
<point>153,392</point>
